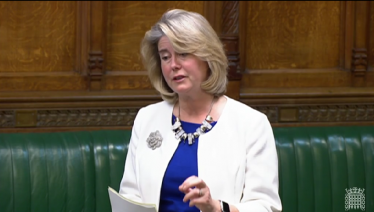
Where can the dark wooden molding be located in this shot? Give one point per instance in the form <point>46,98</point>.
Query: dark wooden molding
<point>359,62</point>
<point>79,98</point>
<point>230,18</point>
<point>124,116</point>
<point>55,111</point>
<point>25,118</point>
<point>283,107</point>
<point>331,113</point>
<point>230,37</point>
<point>226,17</point>
<point>95,70</point>
<point>231,45</point>
<point>68,117</point>
<point>87,117</point>
<point>319,105</point>
<point>7,118</point>
<point>252,96</point>
<point>270,111</point>
<point>96,66</point>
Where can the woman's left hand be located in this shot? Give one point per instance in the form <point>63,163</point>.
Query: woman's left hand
<point>199,195</point>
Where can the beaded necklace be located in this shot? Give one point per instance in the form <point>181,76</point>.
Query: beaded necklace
<point>181,135</point>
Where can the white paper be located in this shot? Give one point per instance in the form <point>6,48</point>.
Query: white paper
<point>121,204</point>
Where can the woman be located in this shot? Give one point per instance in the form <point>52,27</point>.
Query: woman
<point>198,150</point>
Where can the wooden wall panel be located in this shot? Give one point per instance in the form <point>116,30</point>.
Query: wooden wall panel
<point>296,78</point>
<point>37,36</point>
<point>41,82</point>
<point>129,80</point>
<point>292,34</point>
<point>306,62</point>
<point>38,46</point>
<point>127,23</point>
<point>76,65</point>
<point>307,44</point>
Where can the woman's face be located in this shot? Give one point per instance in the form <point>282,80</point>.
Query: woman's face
<point>184,73</point>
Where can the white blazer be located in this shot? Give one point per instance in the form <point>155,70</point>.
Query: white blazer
<point>237,159</point>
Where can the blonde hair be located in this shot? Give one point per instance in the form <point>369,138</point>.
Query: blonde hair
<point>189,32</point>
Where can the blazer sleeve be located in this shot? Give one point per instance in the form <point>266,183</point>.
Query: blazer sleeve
<point>260,192</point>
<point>129,184</point>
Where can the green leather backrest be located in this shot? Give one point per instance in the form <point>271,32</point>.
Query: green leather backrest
<point>318,164</point>
<point>65,171</point>
<point>70,171</point>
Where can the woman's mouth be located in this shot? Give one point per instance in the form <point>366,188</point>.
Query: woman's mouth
<point>178,78</point>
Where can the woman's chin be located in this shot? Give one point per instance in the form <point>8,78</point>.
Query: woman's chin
<point>180,90</point>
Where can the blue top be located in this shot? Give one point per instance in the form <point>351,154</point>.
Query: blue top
<point>182,165</point>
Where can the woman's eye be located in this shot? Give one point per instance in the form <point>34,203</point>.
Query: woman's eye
<point>164,57</point>
<point>183,54</point>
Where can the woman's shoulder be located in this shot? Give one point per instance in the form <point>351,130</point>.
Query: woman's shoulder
<point>152,112</point>
<point>245,117</point>
<point>158,107</point>
<point>241,109</point>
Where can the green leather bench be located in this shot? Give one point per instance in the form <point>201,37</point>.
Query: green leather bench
<point>70,171</point>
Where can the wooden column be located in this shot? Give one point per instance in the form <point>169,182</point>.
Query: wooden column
<point>82,39</point>
<point>96,65</point>
<point>230,38</point>
<point>357,39</point>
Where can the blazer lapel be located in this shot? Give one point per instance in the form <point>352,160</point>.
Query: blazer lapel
<point>158,159</point>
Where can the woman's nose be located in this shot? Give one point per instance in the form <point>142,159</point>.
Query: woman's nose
<point>175,65</point>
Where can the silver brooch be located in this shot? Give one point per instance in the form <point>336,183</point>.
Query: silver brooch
<point>154,140</point>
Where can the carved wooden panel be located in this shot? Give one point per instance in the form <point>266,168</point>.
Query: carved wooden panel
<point>292,35</point>
<point>69,117</point>
<point>86,117</point>
<point>95,70</point>
<point>72,111</point>
<point>124,116</point>
<point>335,113</point>
<point>37,36</point>
<point>319,106</point>
<point>7,119</point>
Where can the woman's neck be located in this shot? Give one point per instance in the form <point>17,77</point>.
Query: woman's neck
<point>194,108</point>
